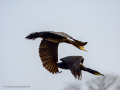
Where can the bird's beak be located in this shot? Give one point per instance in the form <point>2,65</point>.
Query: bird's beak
<point>98,74</point>
<point>85,50</point>
<point>102,74</point>
<point>82,48</point>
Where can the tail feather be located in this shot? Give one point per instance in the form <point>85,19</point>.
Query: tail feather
<point>33,35</point>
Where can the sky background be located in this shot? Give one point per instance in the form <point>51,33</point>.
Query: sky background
<point>94,21</point>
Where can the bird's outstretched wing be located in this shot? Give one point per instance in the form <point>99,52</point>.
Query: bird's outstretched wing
<point>73,63</point>
<point>48,52</point>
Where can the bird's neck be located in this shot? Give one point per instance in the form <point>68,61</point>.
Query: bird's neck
<point>90,70</point>
<point>72,42</point>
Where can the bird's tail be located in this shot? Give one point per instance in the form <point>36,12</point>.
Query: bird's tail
<point>34,35</point>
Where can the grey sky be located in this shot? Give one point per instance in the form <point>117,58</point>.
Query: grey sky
<point>97,22</point>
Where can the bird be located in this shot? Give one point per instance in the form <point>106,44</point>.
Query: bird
<point>75,65</point>
<point>48,49</point>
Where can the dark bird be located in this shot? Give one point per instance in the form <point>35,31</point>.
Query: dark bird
<point>48,49</point>
<point>75,65</point>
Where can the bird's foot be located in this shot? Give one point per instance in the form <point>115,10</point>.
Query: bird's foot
<point>60,72</point>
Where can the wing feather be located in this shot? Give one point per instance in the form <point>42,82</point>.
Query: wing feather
<point>48,52</point>
<point>73,63</point>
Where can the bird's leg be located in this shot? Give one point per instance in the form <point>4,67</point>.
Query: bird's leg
<point>60,72</point>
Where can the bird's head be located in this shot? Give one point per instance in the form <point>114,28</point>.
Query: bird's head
<point>82,48</point>
<point>90,70</point>
<point>94,72</point>
<point>97,73</point>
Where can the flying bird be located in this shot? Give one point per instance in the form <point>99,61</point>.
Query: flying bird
<point>75,65</point>
<point>48,49</point>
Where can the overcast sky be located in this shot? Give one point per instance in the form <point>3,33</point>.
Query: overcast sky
<point>94,21</point>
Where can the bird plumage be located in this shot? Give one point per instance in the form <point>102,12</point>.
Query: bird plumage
<point>56,37</point>
<point>75,65</point>
<point>48,52</point>
<point>49,55</point>
<point>73,62</point>
<point>48,49</point>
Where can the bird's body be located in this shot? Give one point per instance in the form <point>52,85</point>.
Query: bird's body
<point>75,65</point>
<point>48,49</point>
<point>56,37</point>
